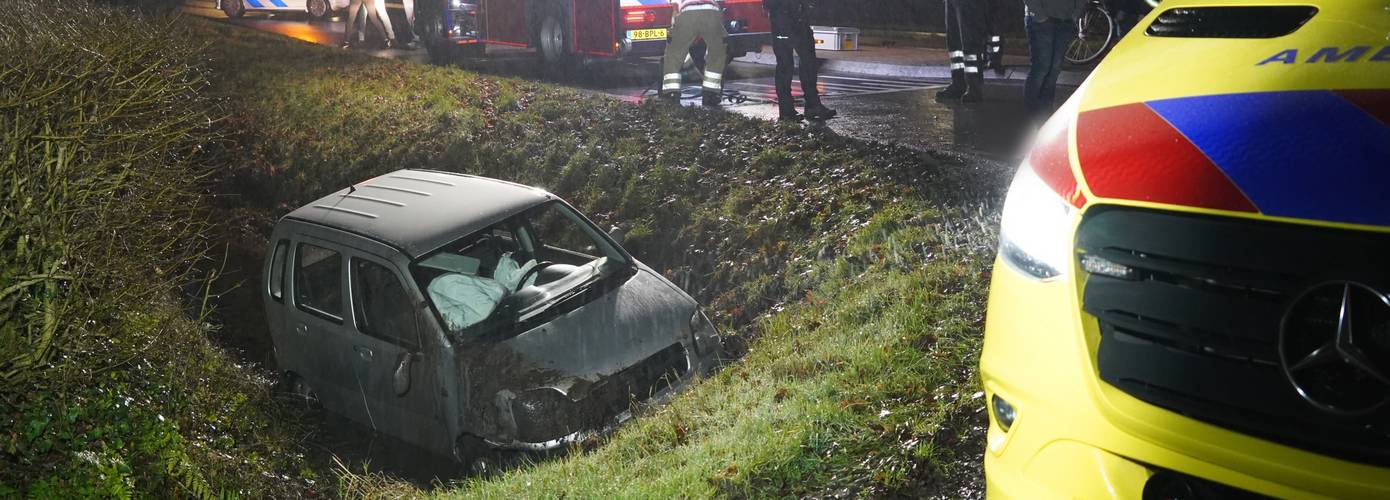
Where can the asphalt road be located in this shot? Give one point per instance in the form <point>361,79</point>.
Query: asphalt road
<point>878,108</point>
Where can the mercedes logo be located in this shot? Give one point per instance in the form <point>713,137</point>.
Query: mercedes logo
<point>1334,347</point>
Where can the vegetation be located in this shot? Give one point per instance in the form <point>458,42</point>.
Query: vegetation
<point>848,276</point>
<point>109,382</point>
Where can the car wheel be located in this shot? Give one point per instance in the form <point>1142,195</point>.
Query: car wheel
<point>233,8</point>
<point>297,387</point>
<point>553,36</point>
<point>318,9</point>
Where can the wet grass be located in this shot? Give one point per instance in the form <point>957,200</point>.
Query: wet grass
<point>848,276</point>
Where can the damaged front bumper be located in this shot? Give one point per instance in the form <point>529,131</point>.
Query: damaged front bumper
<point>573,410</point>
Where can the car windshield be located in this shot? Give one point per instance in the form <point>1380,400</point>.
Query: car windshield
<point>550,247</point>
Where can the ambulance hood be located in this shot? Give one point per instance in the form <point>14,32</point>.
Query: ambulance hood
<point>1216,110</point>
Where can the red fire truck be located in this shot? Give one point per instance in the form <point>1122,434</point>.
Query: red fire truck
<point>571,30</point>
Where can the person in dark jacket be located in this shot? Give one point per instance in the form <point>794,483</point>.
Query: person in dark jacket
<point>1051,26</point>
<point>792,33</point>
<point>965,37</point>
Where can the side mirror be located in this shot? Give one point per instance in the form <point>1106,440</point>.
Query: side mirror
<point>401,378</point>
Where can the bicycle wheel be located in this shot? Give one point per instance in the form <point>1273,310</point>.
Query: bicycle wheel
<point>1095,29</point>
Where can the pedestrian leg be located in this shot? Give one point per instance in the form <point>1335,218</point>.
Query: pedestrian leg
<point>782,78</point>
<point>678,43</point>
<point>716,54</point>
<point>972,20</point>
<point>806,52</point>
<point>384,22</point>
<point>953,44</point>
<point>1040,53</point>
<point>409,6</point>
<point>1062,34</point>
<point>354,8</point>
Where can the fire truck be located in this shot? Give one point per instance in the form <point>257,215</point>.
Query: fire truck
<point>565,31</point>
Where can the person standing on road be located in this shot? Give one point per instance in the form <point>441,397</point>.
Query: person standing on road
<point>384,22</point>
<point>696,19</point>
<point>965,38</point>
<point>1051,25</point>
<point>791,32</point>
<point>409,6</point>
<point>352,31</point>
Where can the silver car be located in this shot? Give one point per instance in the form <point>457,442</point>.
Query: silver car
<point>460,313</point>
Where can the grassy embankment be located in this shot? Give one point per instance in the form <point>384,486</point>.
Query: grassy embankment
<point>852,272</point>
<point>108,382</point>
<point>848,275</point>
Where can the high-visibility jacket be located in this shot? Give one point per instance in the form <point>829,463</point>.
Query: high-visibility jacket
<point>682,5</point>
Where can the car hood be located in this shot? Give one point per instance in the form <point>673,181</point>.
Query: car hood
<point>1294,126</point>
<point>618,330</point>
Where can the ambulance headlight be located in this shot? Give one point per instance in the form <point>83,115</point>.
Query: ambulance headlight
<point>1035,228</point>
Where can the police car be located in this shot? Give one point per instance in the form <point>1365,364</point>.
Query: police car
<point>1190,295</point>
<point>316,9</point>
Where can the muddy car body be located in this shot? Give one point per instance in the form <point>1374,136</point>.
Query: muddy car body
<point>454,311</point>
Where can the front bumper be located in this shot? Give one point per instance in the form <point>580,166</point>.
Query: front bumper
<point>1076,437</point>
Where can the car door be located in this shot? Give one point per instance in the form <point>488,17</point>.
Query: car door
<point>396,361</point>
<point>318,289</point>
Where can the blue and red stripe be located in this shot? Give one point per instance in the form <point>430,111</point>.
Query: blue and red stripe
<point>1322,155</point>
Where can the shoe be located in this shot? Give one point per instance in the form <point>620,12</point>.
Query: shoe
<point>789,117</point>
<point>820,113</point>
<point>957,87</point>
<point>390,44</point>
<point>412,45</point>
<point>347,44</point>
<point>975,89</point>
<point>951,93</point>
<point>669,97</point>
<point>711,98</point>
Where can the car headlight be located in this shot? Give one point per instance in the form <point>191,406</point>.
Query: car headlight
<point>1035,230</point>
<point>705,337</point>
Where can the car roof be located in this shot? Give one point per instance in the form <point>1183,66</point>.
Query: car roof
<point>418,211</point>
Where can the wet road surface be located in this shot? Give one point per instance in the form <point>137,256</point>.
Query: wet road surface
<point>877,108</point>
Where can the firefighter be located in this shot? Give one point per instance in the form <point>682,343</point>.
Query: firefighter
<point>696,19</point>
<point>792,33</point>
<point>965,38</point>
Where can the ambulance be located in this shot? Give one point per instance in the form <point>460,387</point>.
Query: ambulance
<point>1191,297</point>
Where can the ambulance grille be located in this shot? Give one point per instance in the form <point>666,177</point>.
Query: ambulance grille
<point>1230,22</point>
<point>1195,328</point>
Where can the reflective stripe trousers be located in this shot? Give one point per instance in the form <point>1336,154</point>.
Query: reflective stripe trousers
<point>707,24</point>
<point>965,33</point>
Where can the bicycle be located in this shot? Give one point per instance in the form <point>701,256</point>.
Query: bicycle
<point>1096,31</point>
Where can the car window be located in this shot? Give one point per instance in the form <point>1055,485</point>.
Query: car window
<point>381,306</point>
<point>276,280</point>
<point>467,279</point>
<point>318,281</point>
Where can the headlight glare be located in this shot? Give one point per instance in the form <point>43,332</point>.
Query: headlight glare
<point>1035,228</point>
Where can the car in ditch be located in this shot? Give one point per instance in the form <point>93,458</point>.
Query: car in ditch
<point>1192,292</point>
<point>463,314</point>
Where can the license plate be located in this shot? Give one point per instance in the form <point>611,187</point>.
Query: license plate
<point>647,34</point>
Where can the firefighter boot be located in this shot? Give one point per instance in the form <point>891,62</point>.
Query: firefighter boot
<point>974,82</point>
<point>711,98</point>
<point>957,87</point>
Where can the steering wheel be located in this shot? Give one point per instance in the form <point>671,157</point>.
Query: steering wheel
<point>534,270</point>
